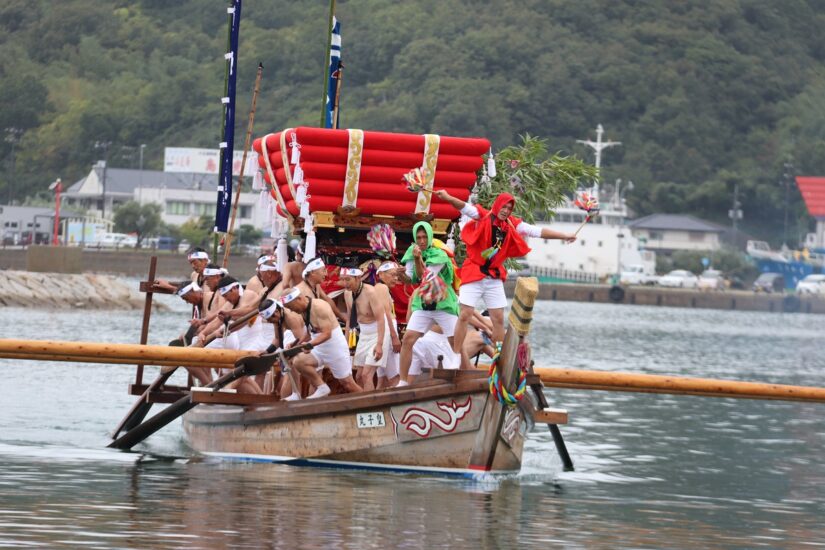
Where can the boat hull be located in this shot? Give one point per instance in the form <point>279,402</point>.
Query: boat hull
<point>439,428</point>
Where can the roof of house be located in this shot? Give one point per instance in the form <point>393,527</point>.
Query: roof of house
<point>813,193</point>
<point>126,180</point>
<point>675,222</point>
<point>28,212</point>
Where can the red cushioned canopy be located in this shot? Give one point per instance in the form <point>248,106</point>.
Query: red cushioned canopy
<point>813,192</point>
<point>385,158</point>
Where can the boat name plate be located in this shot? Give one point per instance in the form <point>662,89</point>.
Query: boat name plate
<point>370,420</point>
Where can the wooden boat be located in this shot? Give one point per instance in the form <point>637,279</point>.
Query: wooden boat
<point>449,425</point>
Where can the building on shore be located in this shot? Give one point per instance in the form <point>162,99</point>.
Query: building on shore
<point>667,233</point>
<point>181,195</point>
<point>24,225</point>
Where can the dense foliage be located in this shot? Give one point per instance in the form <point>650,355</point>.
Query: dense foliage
<point>703,95</point>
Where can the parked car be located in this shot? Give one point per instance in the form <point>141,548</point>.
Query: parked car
<point>184,246</point>
<point>116,240</point>
<point>769,282</point>
<point>711,279</point>
<point>811,284</point>
<point>679,278</point>
<point>636,275</point>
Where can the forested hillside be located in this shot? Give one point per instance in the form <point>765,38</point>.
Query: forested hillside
<point>702,94</point>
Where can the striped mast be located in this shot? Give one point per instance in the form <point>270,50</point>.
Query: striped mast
<point>227,145</point>
<point>336,76</point>
<point>329,96</point>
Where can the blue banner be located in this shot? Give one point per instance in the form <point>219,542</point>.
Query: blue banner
<point>334,76</point>
<point>227,145</point>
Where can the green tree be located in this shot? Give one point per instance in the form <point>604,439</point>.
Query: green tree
<point>247,235</point>
<point>142,220</point>
<point>540,181</point>
<point>197,231</point>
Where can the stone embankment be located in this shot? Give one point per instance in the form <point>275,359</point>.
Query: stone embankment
<point>61,290</point>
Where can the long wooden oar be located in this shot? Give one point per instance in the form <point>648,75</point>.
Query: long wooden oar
<point>247,366</point>
<point>678,385</point>
<point>134,353</point>
<point>142,406</point>
<point>110,361</point>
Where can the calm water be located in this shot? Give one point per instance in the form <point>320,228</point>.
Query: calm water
<point>651,471</point>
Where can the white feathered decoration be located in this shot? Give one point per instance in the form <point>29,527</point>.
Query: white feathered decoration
<point>295,158</point>
<point>258,181</point>
<point>281,253</point>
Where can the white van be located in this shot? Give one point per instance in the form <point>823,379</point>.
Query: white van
<point>116,240</point>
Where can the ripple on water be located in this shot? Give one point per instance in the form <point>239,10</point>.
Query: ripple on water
<point>651,471</point>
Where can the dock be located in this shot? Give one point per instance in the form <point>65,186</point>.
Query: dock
<point>734,300</point>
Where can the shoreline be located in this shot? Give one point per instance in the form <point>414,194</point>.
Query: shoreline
<point>731,300</point>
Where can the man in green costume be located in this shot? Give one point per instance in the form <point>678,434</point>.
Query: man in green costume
<point>422,257</point>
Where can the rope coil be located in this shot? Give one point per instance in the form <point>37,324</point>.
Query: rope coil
<point>498,389</point>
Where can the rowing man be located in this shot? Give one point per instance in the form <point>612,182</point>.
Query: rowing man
<point>313,275</point>
<point>329,347</point>
<point>288,328</point>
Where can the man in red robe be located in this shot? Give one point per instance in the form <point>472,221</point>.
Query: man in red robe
<point>491,237</point>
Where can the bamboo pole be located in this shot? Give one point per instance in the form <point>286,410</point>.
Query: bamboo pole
<point>678,385</point>
<point>133,352</point>
<point>249,126</point>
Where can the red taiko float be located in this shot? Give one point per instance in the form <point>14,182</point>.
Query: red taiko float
<point>361,172</point>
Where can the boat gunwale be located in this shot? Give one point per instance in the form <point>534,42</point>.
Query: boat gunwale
<point>230,414</point>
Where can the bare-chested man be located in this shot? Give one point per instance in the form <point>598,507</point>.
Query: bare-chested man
<point>255,283</point>
<point>329,347</point>
<point>216,335</point>
<point>198,258</point>
<point>288,328</point>
<point>387,278</point>
<point>212,302</point>
<point>313,275</point>
<point>192,294</point>
<point>367,311</point>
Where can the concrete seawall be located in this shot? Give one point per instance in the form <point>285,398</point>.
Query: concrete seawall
<point>672,297</point>
<point>62,291</point>
<point>132,263</point>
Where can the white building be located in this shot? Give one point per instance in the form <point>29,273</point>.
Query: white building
<point>666,233</point>
<point>603,247</point>
<point>182,196</point>
<point>22,225</point>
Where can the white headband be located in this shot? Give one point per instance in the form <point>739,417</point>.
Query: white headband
<point>228,288</point>
<point>317,263</point>
<point>351,272</point>
<point>292,295</point>
<point>387,266</point>
<point>263,259</point>
<point>267,267</point>
<point>198,255</point>
<point>211,272</point>
<point>270,311</point>
<point>188,288</point>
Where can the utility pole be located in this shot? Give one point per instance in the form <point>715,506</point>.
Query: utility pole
<point>598,146</point>
<point>787,176</point>
<point>735,213</point>
<point>57,187</point>
<point>104,145</point>
<point>13,136</point>
<point>140,175</point>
